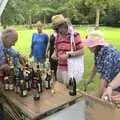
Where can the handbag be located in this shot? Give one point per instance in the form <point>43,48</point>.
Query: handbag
<point>75,64</point>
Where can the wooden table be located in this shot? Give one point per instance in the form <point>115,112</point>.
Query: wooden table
<point>48,103</point>
<point>88,108</point>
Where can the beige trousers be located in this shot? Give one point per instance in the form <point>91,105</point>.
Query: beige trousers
<point>62,76</point>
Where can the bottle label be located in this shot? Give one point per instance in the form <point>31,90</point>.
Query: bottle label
<point>37,95</point>
<point>6,86</point>
<point>51,82</point>
<point>24,92</point>
<point>46,84</point>
<point>39,89</point>
<point>6,78</point>
<point>11,86</point>
<point>21,81</point>
<point>18,89</point>
<point>30,83</point>
<point>27,85</point>
<point>71,89</point>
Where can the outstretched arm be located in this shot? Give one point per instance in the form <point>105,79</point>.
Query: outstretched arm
<point>112,85</point>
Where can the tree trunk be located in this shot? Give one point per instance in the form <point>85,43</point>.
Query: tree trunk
<point>44,19</point>
<point>97,17</point>
<point>30,21</point>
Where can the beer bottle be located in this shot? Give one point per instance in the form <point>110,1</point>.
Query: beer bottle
<point>52,82</point>
<point>6,83</point>
<point>48,81</point>
<point>6,80</point>
<point>72,86</point>
<point>17,85</point>
<point>11,78</point>
<point>40,84</point>
<point>27,79</point>
<point>47,64</point>
<point>11,83</point>
<point>28,83</point>
<point>23,88</point>
<point>33,78</point>
<point>34,82</point>
<point>36,95</point>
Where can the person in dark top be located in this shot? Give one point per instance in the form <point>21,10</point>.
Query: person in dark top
<point>53,62</point>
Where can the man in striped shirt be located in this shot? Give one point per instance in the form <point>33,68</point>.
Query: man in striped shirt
<point>63,46</point>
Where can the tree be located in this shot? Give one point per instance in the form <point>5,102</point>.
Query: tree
<point>98,5</point>
<point>112,16</point>
<point>79,11</point>
<point>11,14</point>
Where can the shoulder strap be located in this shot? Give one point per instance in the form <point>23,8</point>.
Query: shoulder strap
<point>72,40</point>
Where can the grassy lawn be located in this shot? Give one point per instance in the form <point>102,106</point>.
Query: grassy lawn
<point>111,36</point>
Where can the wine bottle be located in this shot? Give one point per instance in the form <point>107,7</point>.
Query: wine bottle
<point>48,81</point>
<point>17,85</point>
<point>72,86</point>
<point>36,95</point>
<point>23,88</point>
<point>6,83</point>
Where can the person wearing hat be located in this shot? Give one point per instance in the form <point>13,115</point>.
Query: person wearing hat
<point>106,62</point>
<point>50,50</point>
<point>63,46</point>
<point>39,44</point>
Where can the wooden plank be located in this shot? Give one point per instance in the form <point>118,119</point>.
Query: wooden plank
<point>98,109</point>
<point>48,101</point>
<point>98,100</point>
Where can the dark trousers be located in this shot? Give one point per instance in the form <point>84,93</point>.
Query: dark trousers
<point>53,66</point>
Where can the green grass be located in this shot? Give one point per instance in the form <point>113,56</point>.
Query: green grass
<point>111,36</point>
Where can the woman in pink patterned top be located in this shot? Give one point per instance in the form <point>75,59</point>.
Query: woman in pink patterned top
<point>63,46</point>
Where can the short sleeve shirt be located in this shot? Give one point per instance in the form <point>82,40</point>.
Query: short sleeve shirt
<point>107,62</point>
<point>63,45</point>
<point>9,51</point>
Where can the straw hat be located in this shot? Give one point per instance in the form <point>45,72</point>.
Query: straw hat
<point>95,38</point>
<point>58,19</point>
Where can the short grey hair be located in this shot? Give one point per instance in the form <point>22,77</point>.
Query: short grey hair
<point>5,33</point>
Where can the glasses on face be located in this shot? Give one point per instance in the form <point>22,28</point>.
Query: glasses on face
<point>63,25</point>
<point>12,40</point>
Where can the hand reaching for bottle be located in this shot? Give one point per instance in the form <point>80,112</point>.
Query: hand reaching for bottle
<point>22,59</point>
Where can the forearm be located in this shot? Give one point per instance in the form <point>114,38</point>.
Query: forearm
<point>77,53</point>
<point>54,56</point>
<point>115,82</point>
<point>48,47</point>
<point>92,74</point>
<point>71,54</point>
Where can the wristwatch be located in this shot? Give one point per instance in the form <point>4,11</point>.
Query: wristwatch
<point>69,55</point>
<point>111,86</point>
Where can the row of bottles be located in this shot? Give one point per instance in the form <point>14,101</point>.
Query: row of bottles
<point>26,79</point>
